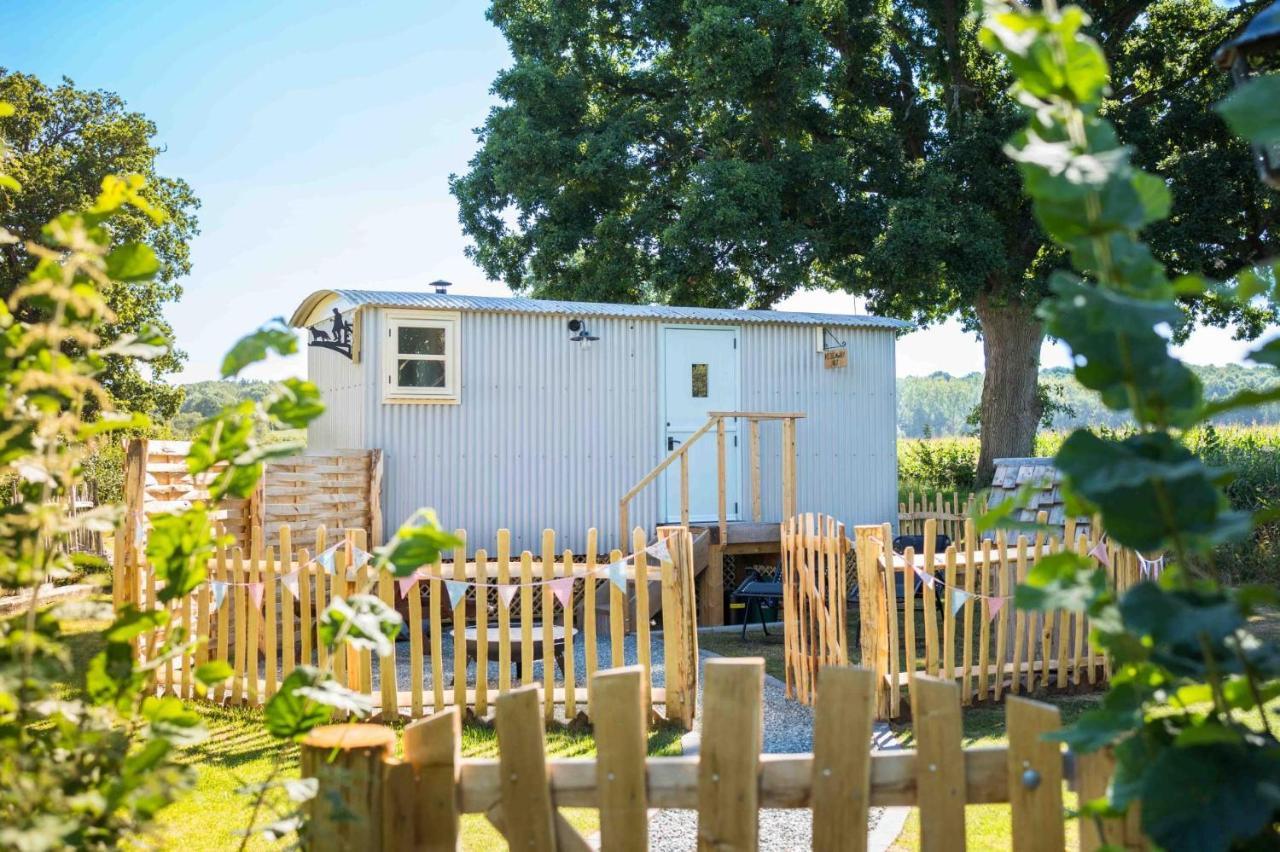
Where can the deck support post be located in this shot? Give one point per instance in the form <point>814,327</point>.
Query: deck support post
<point>873,621</point>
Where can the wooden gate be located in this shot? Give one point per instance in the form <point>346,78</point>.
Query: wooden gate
<point>814,600</point>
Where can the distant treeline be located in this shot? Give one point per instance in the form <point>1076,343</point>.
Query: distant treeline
<point>941,404</point>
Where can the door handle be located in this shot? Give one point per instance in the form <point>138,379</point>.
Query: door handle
<point>672,443</point>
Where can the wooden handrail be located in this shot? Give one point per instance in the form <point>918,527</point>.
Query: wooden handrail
<point>716,419</point>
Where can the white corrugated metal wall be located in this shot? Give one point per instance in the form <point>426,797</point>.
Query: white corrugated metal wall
<point>550,435</point>
<point>846,444</point>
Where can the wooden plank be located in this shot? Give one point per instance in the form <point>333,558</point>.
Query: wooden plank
<point>387,668</point>
<point>288,602</point>
<point>548,623</point>
<point>621,732</point>
<point>437,641</point>
<point>339,657</point>
<point>421,804</point>
<point>890,587</point>
<point>910,659</point>
<point>728,766</point>
<point>984,626</point>
<point>570,687</point>
<point>617,617</point>
<point>1078,624</point>
<point>237,595</point>
<point>460,616</point>
<point>589,640</point>
<point>1035,776</point>
<point>643,650</point>
<point>526,795</point>
<point>504,612</point>
<point>721,473</point>
<point>1002,619</point>
<point>375,498</point>
<point>526,618</point>
<point>970,536</point>
<point>416,668</point>
<point>948,613</point>
<point>929,596</point>
<point>1019,620</point>
<point>482,632</point>
<point>842,758</point>
<point>940,778</point>
<point>684,489</point>
<point>322,595</point>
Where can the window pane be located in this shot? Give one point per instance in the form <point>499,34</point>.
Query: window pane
<point>700,381</point>
<point>420,341</point>
<point>421,374</point>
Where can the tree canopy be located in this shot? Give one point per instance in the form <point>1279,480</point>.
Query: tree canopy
<point>730,152</point>
<point>62,142</point>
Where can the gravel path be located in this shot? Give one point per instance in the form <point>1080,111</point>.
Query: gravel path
<point>788,727</point>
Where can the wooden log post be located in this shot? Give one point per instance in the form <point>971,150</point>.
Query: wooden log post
<point>420,793</point>
<point>135,519</point>
<point>841,780</point>
<point>375,499</point>
<point>873,621</point>
<point>346,761</point>
<point>940,774</point>
<point>729,765</point>
<point>1035,775</point>
<point>679,630</point>
<point>621,737</point>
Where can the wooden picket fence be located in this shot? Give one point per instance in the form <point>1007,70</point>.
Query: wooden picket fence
<point>988,655</point>
<point>264,643</point>
<point>947,511</point>
<point>814,600</point>
<point>369,800</point>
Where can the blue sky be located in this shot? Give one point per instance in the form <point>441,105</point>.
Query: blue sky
<point>319,137</point>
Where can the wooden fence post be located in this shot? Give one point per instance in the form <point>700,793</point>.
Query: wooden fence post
<point>420,805</point>
<point>842,758</point>
<point>679,630</point>
<point>375,498</point>
<point>1093,774</point>
<point>940,781</point>
<point>729,765</point>
<point>1035,775</point>
<point>135,485</point>
<point>872,622</point>
<point>346,761</point>
<point>621,742</point>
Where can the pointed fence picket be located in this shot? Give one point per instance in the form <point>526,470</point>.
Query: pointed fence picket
<point>368,799</point>
<point>265,617</point>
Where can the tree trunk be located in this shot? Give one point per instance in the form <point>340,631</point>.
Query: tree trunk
<point>1011,338</point>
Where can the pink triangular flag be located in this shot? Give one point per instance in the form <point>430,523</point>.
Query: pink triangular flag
<point>507,594</point>
<point>255,595</point>
<point>407,583</point>
<point>562,588</point>
<point>1099,553</point>
<point>994,605</point>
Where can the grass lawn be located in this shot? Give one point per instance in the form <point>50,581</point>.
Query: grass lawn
<point>239,751</point>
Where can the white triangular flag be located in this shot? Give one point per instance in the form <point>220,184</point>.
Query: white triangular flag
<point>618,576</point>
<point>507,593</point>
<point>457,591</point>
<point>562,588</point>
<point>958,598</point>
<point>255,595</point>
<point>660,550</point>
<point>1099,553</point>
<point>325,560</point>
<point>290,581</point>
<point>219,590</point>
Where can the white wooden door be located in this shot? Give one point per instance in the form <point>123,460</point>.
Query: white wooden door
<point>699,375</point>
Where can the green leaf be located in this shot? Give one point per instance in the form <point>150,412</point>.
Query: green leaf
<point>363,621</point>
<point>147,344</point>
<point>113,421</point>
<point>275,336</point>
<point>178,549</point>
<point>1182,625</point>
<point>213,672</point>
<point>419,542</point>
<point>295,403</point>
<point>133,622</point>
<point>330,693</point>
<point>1209,797</point>
<point>132,262</point>
<point>1061,581</point>
<point>172,720</point>
<point>1250,110</point>
<point>290,715</point>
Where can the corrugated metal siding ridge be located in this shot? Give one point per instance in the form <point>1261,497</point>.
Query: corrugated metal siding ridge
<point>515,304</point>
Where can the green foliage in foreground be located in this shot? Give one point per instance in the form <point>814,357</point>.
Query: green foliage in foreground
<point>1186,666</point>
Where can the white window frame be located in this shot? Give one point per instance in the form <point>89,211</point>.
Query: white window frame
<point>451,323</point>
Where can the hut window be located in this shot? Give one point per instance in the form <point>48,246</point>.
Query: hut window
<point>699,381</point>
<point>421,358</point>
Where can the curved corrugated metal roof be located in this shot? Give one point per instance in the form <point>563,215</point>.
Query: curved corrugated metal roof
<point>346,299</point>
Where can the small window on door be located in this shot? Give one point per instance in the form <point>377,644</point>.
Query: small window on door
<point>700,389</point>
<point>421,358</point>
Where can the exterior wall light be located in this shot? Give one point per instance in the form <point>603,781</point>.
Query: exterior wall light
<point>580,334</point>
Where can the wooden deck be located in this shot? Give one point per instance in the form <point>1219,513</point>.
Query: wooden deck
<point>741,538</point>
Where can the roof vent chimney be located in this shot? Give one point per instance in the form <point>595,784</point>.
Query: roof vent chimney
<point>441,286</point>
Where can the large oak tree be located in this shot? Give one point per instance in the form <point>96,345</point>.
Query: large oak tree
<point>730,152</point>
<point>62,141</point>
